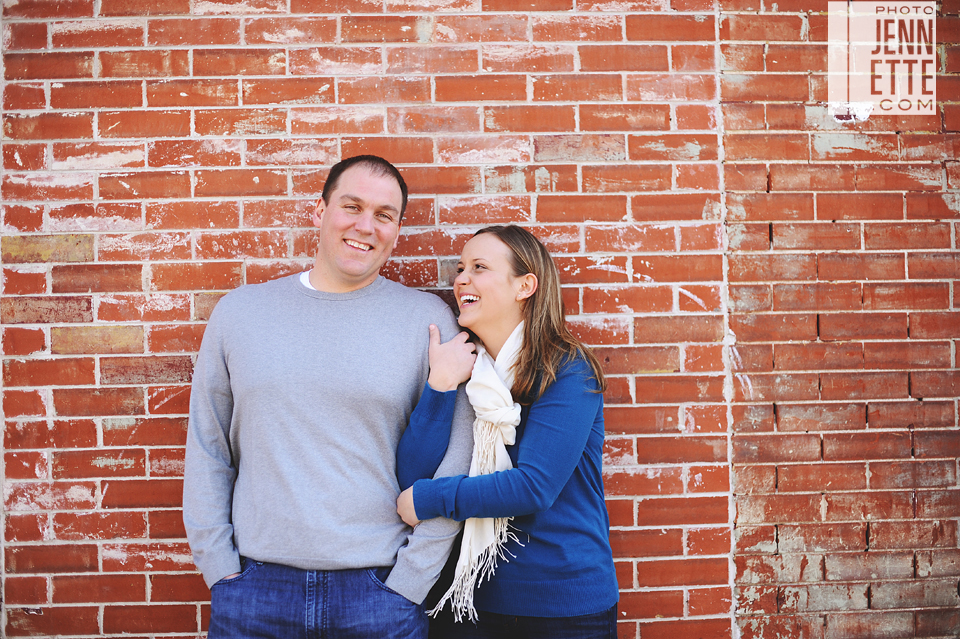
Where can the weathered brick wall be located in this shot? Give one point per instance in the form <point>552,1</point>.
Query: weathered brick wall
<point>771,290</point>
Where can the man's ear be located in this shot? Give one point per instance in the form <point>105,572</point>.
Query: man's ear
<point>528,286</point>
<point>318,212</point>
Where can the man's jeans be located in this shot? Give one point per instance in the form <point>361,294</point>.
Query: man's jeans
<point>270,600</point>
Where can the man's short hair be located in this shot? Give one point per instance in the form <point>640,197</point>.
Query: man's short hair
<point>375,164</point>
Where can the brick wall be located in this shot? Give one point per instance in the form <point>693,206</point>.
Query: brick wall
<point>772,291</point>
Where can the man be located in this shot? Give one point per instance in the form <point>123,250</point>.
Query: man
<point>302,388</point>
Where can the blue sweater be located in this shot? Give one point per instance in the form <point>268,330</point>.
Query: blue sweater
<point>562,565</point>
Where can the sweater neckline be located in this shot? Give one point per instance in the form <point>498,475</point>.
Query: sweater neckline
<point>369,289</point>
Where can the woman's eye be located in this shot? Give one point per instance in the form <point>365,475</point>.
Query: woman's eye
<point>459,270</point>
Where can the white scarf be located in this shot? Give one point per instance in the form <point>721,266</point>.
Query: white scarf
<point>493,430</point>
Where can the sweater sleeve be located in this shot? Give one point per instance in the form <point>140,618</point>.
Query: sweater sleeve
<point>425,440</point>
<point>420,560</point>
<point>554,438</point>
<point>210,472</point>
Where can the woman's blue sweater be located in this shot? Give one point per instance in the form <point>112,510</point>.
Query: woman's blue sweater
<point>561,565</point>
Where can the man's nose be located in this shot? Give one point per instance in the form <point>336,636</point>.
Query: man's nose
<point>364,222</point>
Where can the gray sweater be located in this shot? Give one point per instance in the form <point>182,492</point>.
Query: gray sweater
<point>299,400</point>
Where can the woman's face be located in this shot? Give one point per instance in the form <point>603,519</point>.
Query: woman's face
<point>486,289</point>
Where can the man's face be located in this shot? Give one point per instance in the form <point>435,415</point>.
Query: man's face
<point>359,227</point>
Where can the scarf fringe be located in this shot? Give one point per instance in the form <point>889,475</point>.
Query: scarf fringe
<point>460,593</point>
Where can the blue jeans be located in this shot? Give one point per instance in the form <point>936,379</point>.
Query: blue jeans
<point>274,601</point>
<point>490,625</point>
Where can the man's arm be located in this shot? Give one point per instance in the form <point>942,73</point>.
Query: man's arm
<point>210,471</point>
<point>419,562</point>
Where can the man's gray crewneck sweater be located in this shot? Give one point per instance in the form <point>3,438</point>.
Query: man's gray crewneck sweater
<point>299,399</point>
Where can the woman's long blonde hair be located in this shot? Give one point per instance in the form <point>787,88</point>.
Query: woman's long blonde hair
<point>547,342</point>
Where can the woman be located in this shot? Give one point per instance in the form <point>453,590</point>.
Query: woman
<point>536,560</point>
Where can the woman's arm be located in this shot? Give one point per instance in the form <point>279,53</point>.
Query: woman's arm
<point>425,439</point>
<point>555,436</point>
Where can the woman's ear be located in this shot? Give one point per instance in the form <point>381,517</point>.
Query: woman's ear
<point>528,286</point>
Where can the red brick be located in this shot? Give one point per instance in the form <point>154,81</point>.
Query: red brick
<point>752,449</point>
<point>100,463</point>
<point>195,276</point>
<point>191,93</point>
<point>818,356</point>
<point>807,417</point>
<point>696,298</point>
<point>913,534</point>
<point>144,63</point>
<point>141,7</point>
<point>99,525</point>
<point>768,86</point>
<point>51,558</point>
<point>925,384</point>
<point>25,465</point>
<point>675,206</point>
<point>847,326</point>
<point>23,341</point>
<point>21,403</point>
<point>812,177</point>
<point>49,372</point>
<point>194,31</point>
<point>641,420</point>
<point>149,184</point>
<point>911,415</point>
<point>165,618</point>
<point>939,504</point>
<point>628,481</point>
<point>773,327</point>
<point>25,590</point>
<point>884,355</point>
<point>912,474</point>
<point>172,153</point>
<point>111,94</point>
<point>869,566</point>
<point>145,370</point>
<point>103,401</point>
<point>686,572</point>
<point>757,509</point>
<point>240,244</point>
<point>706,328</point>
<point>97,278</point>
<point>481,28</point>
<point>46,66</point>
<point>821,478</point>
<point>129,124</point>
<point>686,388</point>
<point>414,89</point>
<point>768,146</point>
<point>934,325</point>
<point>167,524</point>
<point>17,282</point>
<point>25,157</point>
<point>239,122</point>
<point>24,96</point>
<point>178,588</point>
<point>140,557</point>
<point>650,604</point>
<point>682,450</point>
<point>53,620</point>
<point>98,588</point>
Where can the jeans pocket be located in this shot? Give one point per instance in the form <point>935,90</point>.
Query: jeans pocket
<point>246,567</point>
<point>379,577</point>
